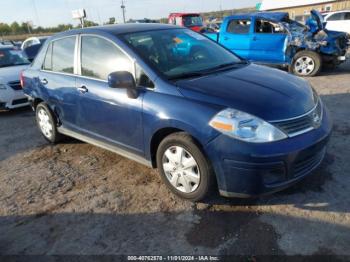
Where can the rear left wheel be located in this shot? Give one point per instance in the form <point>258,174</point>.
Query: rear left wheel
<point>47,123</point>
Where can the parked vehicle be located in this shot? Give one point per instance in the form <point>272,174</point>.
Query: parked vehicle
<point>214,26</point>
<point>12,62</point>
<point>273,38</point>
<point>192,21</point>
<point>145,20</point>
<point>172,99</point>
<point>338,21</point>
<point>33,41</point>
<point>7,42</point>
<point>32,51</point>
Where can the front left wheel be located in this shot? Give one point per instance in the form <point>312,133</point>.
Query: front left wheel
<point>306,63</point>
<point>47,123</point>
<point>184,168</point>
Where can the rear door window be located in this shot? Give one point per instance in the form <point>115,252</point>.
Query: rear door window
<point>60,55</point>
<point>100,57</point>
<point>239,26</point>
<point>347,16</point>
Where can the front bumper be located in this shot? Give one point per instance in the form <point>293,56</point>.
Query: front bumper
<point>10,99</point>
<point>250,170</point>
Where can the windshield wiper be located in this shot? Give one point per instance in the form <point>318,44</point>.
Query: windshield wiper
<point>186,75</point>
<point>207,71</point>
<point>225,66</point>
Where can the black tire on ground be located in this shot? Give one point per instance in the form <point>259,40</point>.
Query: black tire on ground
<point>54,136</point>
<point>207,176</point>
<point>314,57</point>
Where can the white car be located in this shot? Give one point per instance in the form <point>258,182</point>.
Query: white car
<point>12,63</point>
<point>33,41</point>
<point>338,21</point>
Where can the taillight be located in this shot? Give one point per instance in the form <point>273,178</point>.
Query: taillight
<point>21,79</point>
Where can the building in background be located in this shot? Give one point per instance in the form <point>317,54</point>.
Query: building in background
<point>300,9</point>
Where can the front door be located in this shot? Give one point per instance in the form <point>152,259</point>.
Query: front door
<point>107,113</point>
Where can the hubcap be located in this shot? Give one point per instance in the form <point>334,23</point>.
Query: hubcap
<point>181,169</point>
<point>45,123</point>
<point>304,65</point>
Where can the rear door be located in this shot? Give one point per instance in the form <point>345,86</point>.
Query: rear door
<point>268,42</point>
<point>235,35</point>
<point>107,113</point>
<point>58,81</point>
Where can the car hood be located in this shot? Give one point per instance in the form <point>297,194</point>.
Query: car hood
<point>11,73</point>
<point>265,92</point>
<point>318,19</point>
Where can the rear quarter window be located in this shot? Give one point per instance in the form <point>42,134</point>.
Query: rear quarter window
<point>239,26</point>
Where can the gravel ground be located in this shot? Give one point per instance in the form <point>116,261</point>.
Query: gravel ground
<point>74,198</point>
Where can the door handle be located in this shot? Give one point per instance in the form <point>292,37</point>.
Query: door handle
<point>44,81</point>
<point>226,38</point>
<point>82,89</point>
<point>255,38</point>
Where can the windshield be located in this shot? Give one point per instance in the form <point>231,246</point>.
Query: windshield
<point>192,21</point>
<point>11,57</point>
<point>178,52</point>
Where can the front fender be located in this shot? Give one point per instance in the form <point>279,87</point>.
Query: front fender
<point>162,111</point>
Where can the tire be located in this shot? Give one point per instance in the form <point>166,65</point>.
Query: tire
<point>306,63</point>
<point>47,123</point>
<point>191,180</point>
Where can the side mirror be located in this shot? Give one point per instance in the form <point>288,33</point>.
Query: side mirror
<point>123,79</point>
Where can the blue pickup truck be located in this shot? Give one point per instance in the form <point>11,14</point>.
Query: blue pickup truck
<point>273,38</point>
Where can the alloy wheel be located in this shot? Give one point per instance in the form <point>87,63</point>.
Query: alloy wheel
<point>304,65</point>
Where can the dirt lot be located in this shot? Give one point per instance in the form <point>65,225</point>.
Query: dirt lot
<point>74,198</point>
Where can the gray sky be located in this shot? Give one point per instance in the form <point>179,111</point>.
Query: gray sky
<point>52,12</point>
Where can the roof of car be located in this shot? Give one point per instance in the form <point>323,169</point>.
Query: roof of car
<point>335,12</point>
<point>120,28</point>
<point>276,16</point>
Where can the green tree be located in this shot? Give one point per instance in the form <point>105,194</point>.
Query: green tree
<point>111,21</point>
<point>88,23</point>
<point>16,28</point>
<point>5,29</point>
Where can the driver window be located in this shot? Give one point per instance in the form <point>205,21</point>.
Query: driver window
<point>100,57</point>
<point>268,27</point>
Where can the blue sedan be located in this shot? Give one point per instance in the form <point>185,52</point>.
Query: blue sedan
<point>172,99</point>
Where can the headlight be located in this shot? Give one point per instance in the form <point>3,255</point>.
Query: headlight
<point>245,127</point>
<point>3,87</point>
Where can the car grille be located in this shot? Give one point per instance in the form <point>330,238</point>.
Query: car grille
<point>306,164</point>
<point>19,101</point>
<point>15,85</point>
<point>302,124</point>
